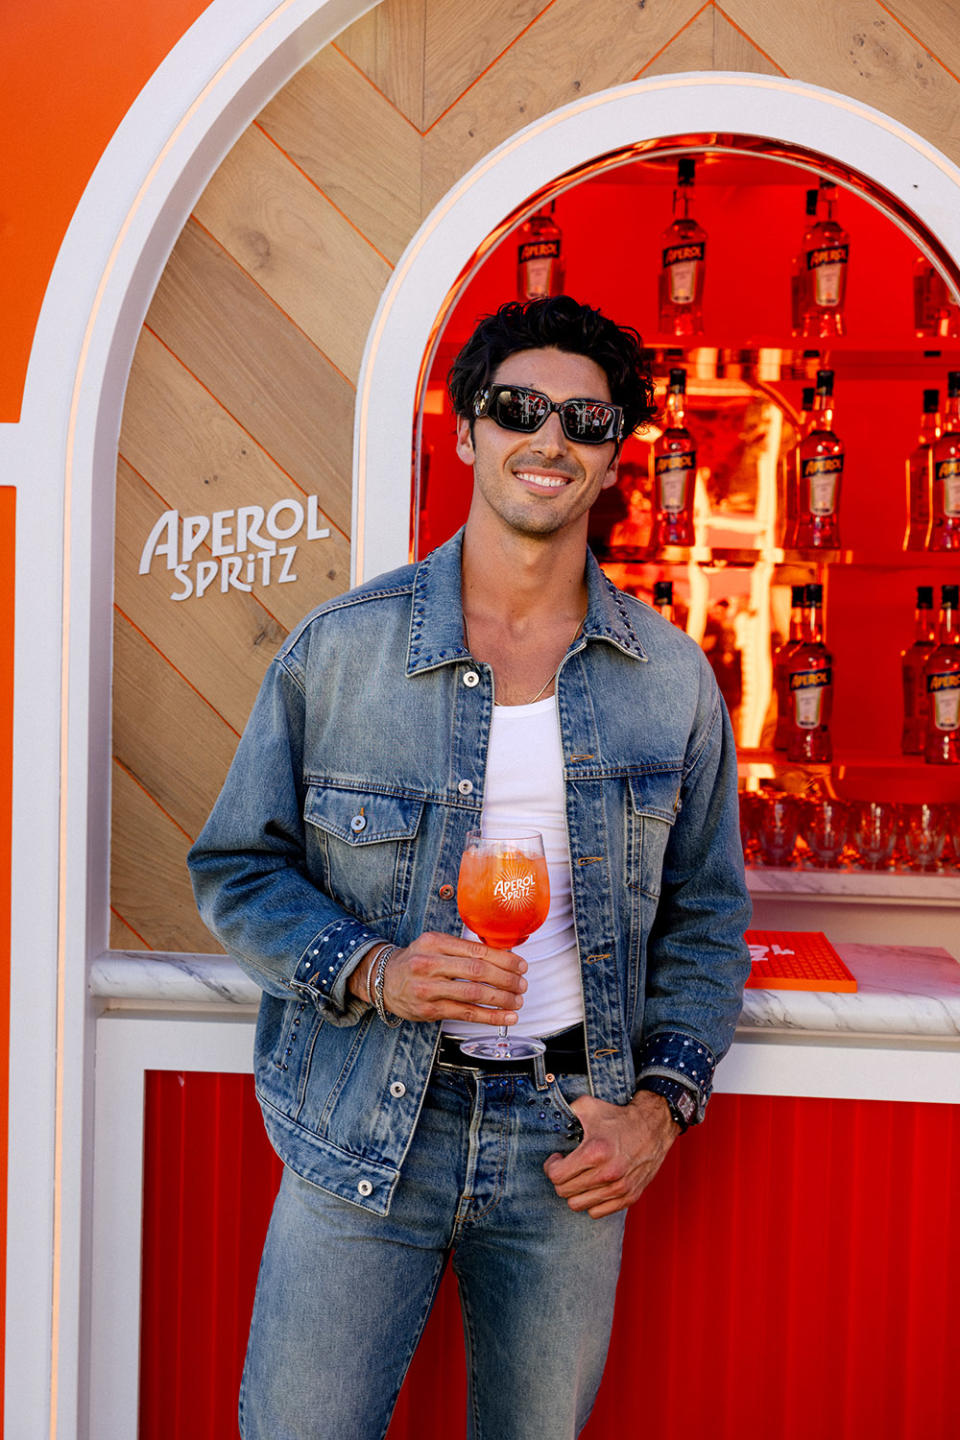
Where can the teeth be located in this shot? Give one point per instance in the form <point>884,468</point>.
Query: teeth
<point>547,480</point>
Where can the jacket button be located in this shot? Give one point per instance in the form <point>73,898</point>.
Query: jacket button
<point>398,1089</point>
<point>470,678</point>
<point>364,1187</point>
<point>358,823</point>
<point>445,892</point>
<point>465,787</point>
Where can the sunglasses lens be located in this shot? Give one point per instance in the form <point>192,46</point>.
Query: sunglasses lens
<point>519,409</point>
<point>587,421</point>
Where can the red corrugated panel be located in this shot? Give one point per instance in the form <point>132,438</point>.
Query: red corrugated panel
<point>789,1275</point>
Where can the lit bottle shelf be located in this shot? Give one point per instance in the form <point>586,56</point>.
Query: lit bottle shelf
<point>742,557</point>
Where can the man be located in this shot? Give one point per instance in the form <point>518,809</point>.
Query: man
<point>503,679</point>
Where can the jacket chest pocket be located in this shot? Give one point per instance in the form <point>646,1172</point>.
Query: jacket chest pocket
<point>360,848</point>
<point>652,812</point>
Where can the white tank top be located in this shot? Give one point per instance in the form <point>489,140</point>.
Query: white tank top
<point>523,789</point>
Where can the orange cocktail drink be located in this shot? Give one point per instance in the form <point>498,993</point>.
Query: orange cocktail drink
<point>503,897</point>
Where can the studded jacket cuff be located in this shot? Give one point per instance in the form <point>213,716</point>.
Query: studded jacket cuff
<point>326,965</point>
<point>679,1057</point>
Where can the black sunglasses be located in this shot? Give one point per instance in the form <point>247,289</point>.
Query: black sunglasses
<point>585,422</point>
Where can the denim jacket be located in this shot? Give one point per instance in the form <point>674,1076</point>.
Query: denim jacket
<point>343,817</point>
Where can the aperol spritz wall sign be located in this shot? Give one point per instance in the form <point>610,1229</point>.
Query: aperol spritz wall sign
<point>232,549</point>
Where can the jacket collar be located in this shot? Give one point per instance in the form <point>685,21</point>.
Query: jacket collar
<point>436,623</point>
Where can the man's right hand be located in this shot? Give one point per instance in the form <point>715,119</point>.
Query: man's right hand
<point>443,977</point>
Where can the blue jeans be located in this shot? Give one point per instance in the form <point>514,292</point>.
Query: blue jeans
<point>343,1294</point>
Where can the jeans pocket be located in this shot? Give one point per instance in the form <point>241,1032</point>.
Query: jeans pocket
<point>563,1091</point>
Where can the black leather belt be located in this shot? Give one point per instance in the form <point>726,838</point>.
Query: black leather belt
<point>565,1055</point>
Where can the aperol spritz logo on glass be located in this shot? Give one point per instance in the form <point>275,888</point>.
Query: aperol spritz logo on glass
<point>514,888</point>
<point>242,547</point>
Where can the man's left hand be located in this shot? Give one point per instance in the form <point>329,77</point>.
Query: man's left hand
<point>623,1147</point>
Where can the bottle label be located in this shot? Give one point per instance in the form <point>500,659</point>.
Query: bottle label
<point>827,263</point>
<point>944,693</point>
<point>538,250</point>
<point>822,476</point>
<point>947,474</point>
<point>808,687</point>
<point>680,262</point>
<point>672,472</point>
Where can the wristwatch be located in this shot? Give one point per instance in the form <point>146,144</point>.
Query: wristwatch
<point>681,1099</point>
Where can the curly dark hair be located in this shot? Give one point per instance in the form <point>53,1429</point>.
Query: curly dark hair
<point>561,323</point>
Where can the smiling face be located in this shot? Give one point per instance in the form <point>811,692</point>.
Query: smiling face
<point>541,483</point>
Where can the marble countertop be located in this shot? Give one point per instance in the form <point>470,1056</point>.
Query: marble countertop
<point>903,990</point>
<point>892,885</point>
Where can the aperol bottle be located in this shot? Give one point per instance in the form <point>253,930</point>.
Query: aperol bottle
<point>820,457</point>
<point>941,678</point>
<point>810,687</point>
<point>674,465</point>
<point>827,250</point>
<point>918,473</point>
<point>682,260</point>
<point>944,533</point>
<point>913,660</point>
<point>781,661</point>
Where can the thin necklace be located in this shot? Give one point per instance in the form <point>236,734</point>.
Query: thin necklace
<point>551,677</point>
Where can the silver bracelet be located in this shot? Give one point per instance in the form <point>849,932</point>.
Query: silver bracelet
<point>377,992</point>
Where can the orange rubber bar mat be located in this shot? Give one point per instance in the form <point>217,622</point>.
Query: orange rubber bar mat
<point>795,960</point>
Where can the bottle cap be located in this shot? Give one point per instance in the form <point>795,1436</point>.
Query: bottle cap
<point>924,597</point>
<point>812,197</point>
<point>825,382</point>
<point>798,594</point>
<point>950,596</point>
<point>686,170</point>
<point>814,594</point>
<point>806,402</point>
<point>678,381</point>
<point>953,383</point>
<point>931,402</point>
<point>663,592</point>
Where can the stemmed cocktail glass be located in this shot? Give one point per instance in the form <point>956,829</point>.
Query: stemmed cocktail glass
<point>503,895</point>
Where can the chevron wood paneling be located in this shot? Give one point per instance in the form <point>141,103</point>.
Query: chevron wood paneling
<point>242,390</point>
<point>388,46</point>
<point>859,49</point>
<point>462,41</point>
<point>573,50</point>
<point>933,24</point>
<point>373,174</point>
<point>279,228</point>
<point>692,49</point>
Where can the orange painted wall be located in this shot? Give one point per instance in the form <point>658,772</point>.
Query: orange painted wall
<point>71,70</point>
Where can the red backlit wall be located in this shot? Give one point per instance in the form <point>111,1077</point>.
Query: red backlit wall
<point>792,1273</point>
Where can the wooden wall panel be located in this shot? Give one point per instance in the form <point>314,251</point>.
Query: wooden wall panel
<point>861,50</point>
<point>373,174</point>
<point>243,387</point>
<point>933,23</point>
<point>259,365</point>
<point>151,888</point>
<point>222,644</point>
<point>161,727</point>
<point>387,44</point>
<point>573,49</point>
<point>692,49</point>
<point>462,41</point>
<point>279,228</point>
<point>732,50</point>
